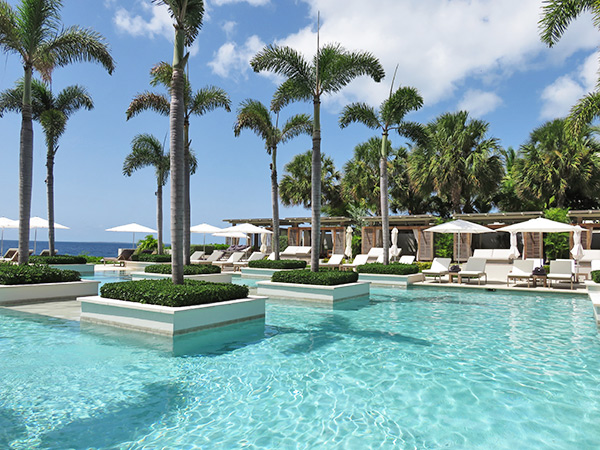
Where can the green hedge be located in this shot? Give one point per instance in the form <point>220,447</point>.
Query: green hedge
<point>390,269</point>
<point>425,265</point>
<point>281,264</point>
<point>187,270</point>
<point>143,257</point>
<point>165,293</point>
<point>596,276</point>
<point>39,273</point>
<point>209,248</point>
<point>58,259</point>
<point>324,277</point>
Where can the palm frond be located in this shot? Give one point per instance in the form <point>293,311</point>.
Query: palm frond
<point>161,73</point>
<point>287,62</point>
<point>147,151</point>
<point>295,126</point>
<point>338,67</point>
<point>208,99</point>
<point>583,113</point>
<point>400,103</point>
<point>255,116</point>
<point>359,113</point>
<point>10,40</point>
<point>414,131</point>
<point>288,92</point>
<point>38,22</point>
<point>11,100</point>
<point>73,98</point>
<point>558,14</point>
<point>187,14</point>
<point>148,101</point>
<point>53,123</point>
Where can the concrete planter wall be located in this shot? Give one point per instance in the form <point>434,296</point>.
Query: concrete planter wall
<point>311,292</point>
<point>25,293</point>
<point>167,320</point>
<point>391,280</point>
<point>212,277</point>
<point>83,269</point>
<point>594,294</point>
<point>139,266</point>
<point>249,272</point>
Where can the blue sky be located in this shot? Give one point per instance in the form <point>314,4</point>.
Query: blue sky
<point>484,56</point>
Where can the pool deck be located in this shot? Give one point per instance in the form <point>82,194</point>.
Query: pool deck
<point>561,288</point>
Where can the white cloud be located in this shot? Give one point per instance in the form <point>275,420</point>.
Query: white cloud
<point>478,103</point>
<point>159,22</point>
<point>232,60</point>
<point>229,27</point>
<point>250,2</point>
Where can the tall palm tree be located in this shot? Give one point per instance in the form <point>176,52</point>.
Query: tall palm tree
<point>52,112</point>
<point>34,32</point>
<point>332,68</point>
<point>197,103</point>
<point>389,117</point>
<point>147,151</point>
<point>255,116</point>
<point>458,161</point>
<point>556,17</point>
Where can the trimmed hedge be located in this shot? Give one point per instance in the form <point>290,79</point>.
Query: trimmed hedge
<point>209,248</point>
<point>281,264</point>
<point>165,293</point>
<point>390,269</point>
<point>324,277</point>
<point>425,265</point>
<point>596,276</point>
<point>58,259</point>
<point>187,270</point>
<point>11,274</point>
<point>143,257</point>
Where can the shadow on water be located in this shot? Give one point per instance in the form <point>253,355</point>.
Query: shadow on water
<point>353,304</point>
<point>12,427</point>
<point>119,422</point>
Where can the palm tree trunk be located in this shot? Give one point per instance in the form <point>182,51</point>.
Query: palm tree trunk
<point>159,217</point>
<point>275,202</point>
<point>383,187</point>
<point>315,233</point>
<point>187,212</point>
<point>50,196</point>
<point>25,169</point>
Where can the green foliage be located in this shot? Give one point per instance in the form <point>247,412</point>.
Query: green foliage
<point>165,293</point>
<point>443,243</point>
<point>283,242</point>
<point>324,277</point>
<point>390,269</point>
<point>40,273</point>
<point>209,248</point>
<point>196,269</point>
<point>281,264</point>
<point>144,257</point>
<point>356,245</point>
<point>556,245</point>
<point>57,259</point>
<point>92,259</point>
<point>595,276</point>
<point>148,243</point>
<point>425,265</point>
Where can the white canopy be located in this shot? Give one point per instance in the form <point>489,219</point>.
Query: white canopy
<point>204,228</point>
<point>38,222</point>
<point>231,234</point>
<point>248,228</point>
<point>132,228</point>
<point>6,223</point>
<point>539,225</point>
<point>459,226</point>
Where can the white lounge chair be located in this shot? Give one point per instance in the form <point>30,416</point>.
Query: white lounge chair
<point>196,257</point>
<point>561,271</point>
<point>233,258</point>
<point>358,261</point>
<point>595,263</point>
<point>334,261</point>
<point>256,256</point>
<point>271,256</point>
<point>474,268</point>
<point>439,268</point>
<point>375,255</point>
<point>407,259</point>
<point>522,269</point>
<point>214,256</point>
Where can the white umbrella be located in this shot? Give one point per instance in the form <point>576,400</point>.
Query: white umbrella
<point>457,227</point>
<point>539,225</point>
<point>394,250</point>
<point>577,250</point>
<point>514,250</point>
<point>231,234</point>
<point>6,223</point>
<point>263,243</point>
<point>132,228</point>
<point>248,228</point>
<point>38,222</point>
<point>204,228</point>
<point>348,249</point>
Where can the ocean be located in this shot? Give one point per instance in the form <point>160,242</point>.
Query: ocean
<point>75,248</point>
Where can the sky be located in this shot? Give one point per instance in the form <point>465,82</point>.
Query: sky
<point>483,56</point>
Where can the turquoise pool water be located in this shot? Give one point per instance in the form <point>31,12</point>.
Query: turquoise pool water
<point>421,368</point>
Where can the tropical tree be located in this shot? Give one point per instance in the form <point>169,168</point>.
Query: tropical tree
<point>389,117</point>
<point>33,31</point>
<point>556,17</point>
<point>196,103</point>
<point>332,68</point>
<point>147,151</point>
<point>556,167</point>
<point>458,162</point>
<point>255,116</point>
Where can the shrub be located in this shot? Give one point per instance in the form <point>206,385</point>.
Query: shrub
<point>57,259</point>
<point>425,265</point>
<point>187,270</point>
<point>596,276</point>
<point>283,242</point>
<point>324,277</point>
<point>209,248</point>
<point>165,293</point>
<point>39,273</point>
<point>390,269</point>
<point>151,258</point>
<point>281,264</point>
<point>148,243</point>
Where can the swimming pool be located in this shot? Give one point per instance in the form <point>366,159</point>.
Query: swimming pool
<point>419,368</point>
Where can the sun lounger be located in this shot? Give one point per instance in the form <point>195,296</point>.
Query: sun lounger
<point>334,261</point>
<point>375,255</point>
<point>271,256</point>
<point>296,252</point>
<point>8,256</point>
<point>439,268</point>
<point>474,268</point>
<point>256,256</point>
<point>235,257</point>
<point>358,261</point>
<point>15,255</point>
<point>561,270</point>
<point>595,263</point>
<point>521,270</point>
<point>493,254</point>
<point>407,259</point>
<point>197,256</point>
<point>214,256</point>
<point>46,252</point>
<point>124,255</point>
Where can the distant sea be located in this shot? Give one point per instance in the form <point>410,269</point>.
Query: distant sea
<point>75,248</point>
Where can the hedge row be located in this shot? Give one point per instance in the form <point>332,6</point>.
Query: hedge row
<point>323,277</point>
<point>187,270</point>
<point>281,264</point>
<point>58,259</point>
<point>39,273</point>
<point>143,257</point>
<point>209,248</point>
<point>390,269</point>
<point>165,293</point>
<point>596,276</point>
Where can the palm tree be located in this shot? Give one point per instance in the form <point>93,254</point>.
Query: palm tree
<point>52,113</point>
<point>389,117</point>
<point>556,17</point>
<point>332,68</point>
<point>34,32</point>
<point>147,151</point>
<point>255,116</point>
<point>197,103</point>
<point>458,162</point>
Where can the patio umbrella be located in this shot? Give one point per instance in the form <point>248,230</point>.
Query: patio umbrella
<point>577,250</point>
<point>348,249</point>
<point>263,242</point>
<point>6,223</point>
<point>38,222</point>
<point>132,228</point>
<point>458,227</point>
<point>514,250</point>
<point>247,228</point>
<point>394,250</point>
<point>204,228</point>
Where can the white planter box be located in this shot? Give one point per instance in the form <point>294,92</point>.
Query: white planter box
<point>83,269</point>
<point>212,277</point>
<point>311,292</point>
<point>139,265</point>
<point>25,293</point>
<point>167,320</point>
<point>391,280</point>
<point>249,272</point>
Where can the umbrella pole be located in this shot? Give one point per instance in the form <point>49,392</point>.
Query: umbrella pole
<point>133,243</point>
<point>204,242</point>
<point>2,245</point>
<point>35,241</point>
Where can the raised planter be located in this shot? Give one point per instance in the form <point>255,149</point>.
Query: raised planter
<point>391,280</point>
<point>214,277</point>
<point>250,272</point>
<point>83,269</point>
<point>593,290</point>
<point>312,292</point>
<point>32,293</point>
<point>139,266</point>
<point>167,320</point>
